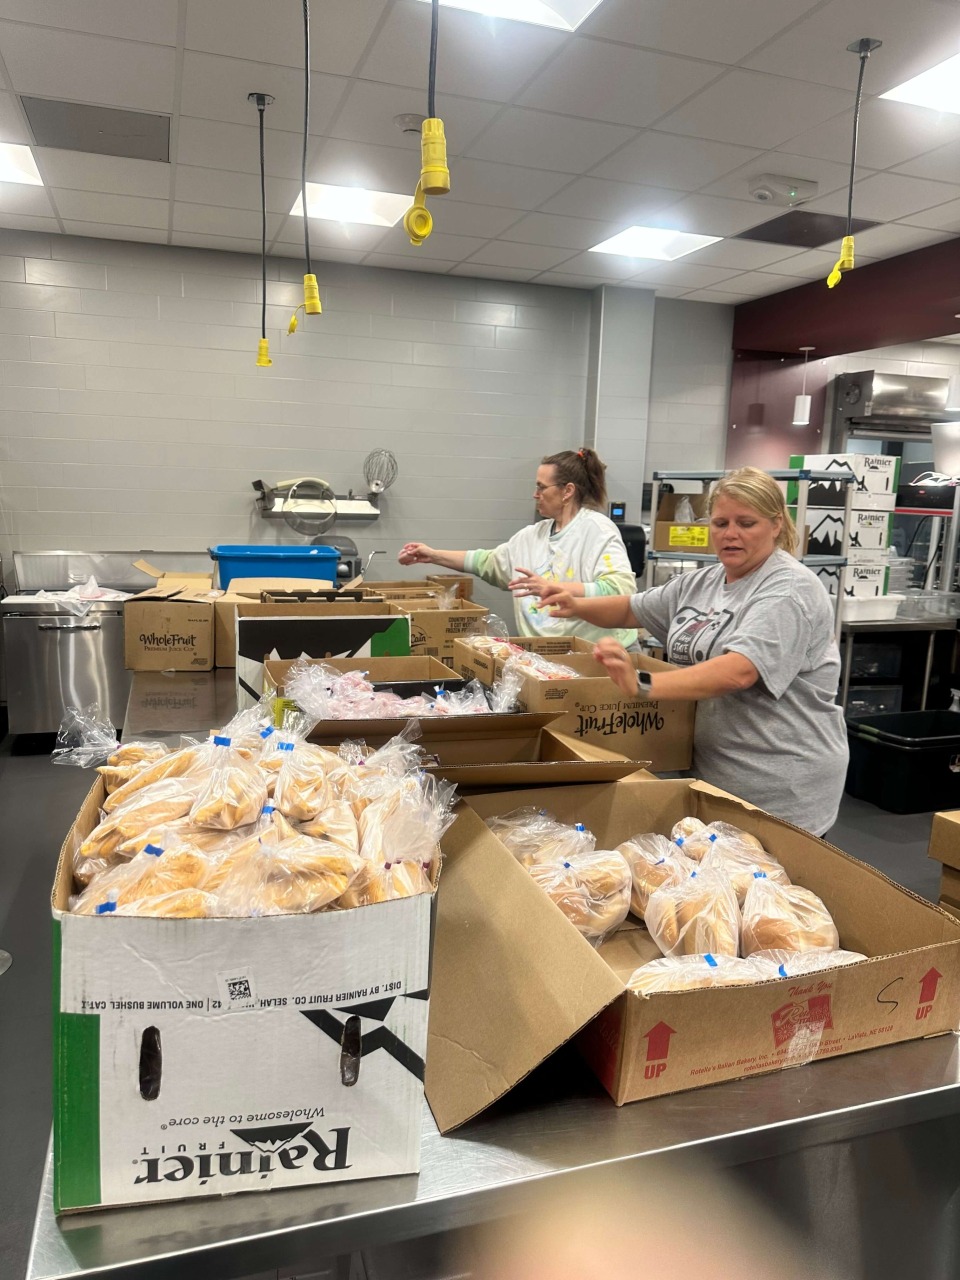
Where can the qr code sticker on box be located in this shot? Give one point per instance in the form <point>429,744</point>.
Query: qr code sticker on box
<point>237,991</point>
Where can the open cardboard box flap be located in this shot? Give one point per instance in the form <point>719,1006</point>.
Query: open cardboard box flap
<point>945,838</point>
<point>513,980</point>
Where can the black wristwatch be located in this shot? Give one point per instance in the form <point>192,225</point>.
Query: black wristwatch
<point>644,682</point>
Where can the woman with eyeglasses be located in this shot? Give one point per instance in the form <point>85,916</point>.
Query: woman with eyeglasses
<point>573,544</point>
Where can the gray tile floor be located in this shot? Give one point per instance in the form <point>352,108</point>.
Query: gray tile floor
<point>37,805</point>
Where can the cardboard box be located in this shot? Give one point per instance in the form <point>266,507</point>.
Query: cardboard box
<point>594,710</point>
<point>407,677</point>
<point>474,664</point>
<point>950,887</point>
<point>253,587</point>
<point>434,630</point>
<point>513,979</point>
<point>170,627</point>
<point>249,1090</point>
<point>473,751</point>
<point>347,630</point>
<point>415,588</point>
<point>945,839</point>
<point>860,581</point>
<point>869,534</point>
<point>668,535</point>
<point>462,581</point>
<point>875,488</point>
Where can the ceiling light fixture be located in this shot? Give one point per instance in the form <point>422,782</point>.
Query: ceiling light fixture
<point>352,204</point>
<point>938,89</point>
<point>18,165</point>
<point>801,403</point>
<point>654,242</point>
<point>564,15</point>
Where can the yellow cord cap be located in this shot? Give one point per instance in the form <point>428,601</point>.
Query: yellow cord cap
<point>843,263</point>
<point>263,354</point>
<point>434,176</point>
<point>311,296</point>
<point>292,326</point>
<point>418,221</point>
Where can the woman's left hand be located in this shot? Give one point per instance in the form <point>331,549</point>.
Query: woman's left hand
<point>525,583</point>
<point>618,664</point>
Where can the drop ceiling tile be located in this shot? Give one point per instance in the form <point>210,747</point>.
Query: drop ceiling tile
<point>915,36</point>
<point>461,219</point>
<point>562,233</point>
<point>17,197</point>
<point>664,290</point>
<point>547,141</point>
<point>357,164</point>
<point>225,244</point>
<point>81,171</point>
<point>814,263</point>
<point>620,202</point>
<point>828,175</point>
<point>216,89</point>
<point>81,68</point>
<point>325,254</point>
<point>745,255</point>
<point>393,262</point>
<point>894,239</point>
<point>721,31</point>
<point>273,33</point>
<point>941,164</point>
<point>443,247</point>
<point>155,22</point>
<point>669,160</point>
<point>601,267</point>
<point>234,190</point>
<point>533,257</point>
<point>110,231</point>
<point>368,111</point>
<point>944,218</point>
<point>558,278</point>
<point>683,274</point>
<point>27,222</point>
<point>756,110</point>
<point>213,144</point>
<point>478,57</point>
<point>494,273</point>
<point>711,295</point>
<point>885,197</point>
<point>12,125</point>
<point>122,211</point>
<point>332,235</point>
<point>711,215</point>
<point>891,133</point>
<point>211,220</point>
<point>601,81</point>
<point>504,185</point>
<point>758,283</point>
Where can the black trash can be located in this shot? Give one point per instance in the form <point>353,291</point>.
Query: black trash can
<point>908,762</point>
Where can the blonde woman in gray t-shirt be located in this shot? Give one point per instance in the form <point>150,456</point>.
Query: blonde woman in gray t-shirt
<point>754,638</point>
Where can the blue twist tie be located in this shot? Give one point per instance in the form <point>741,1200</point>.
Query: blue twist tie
<point>759,875</point>
<point>153,849</point>
<point>265,733</point>
<point>783,972</point>
<point>221,742</point>
<point>104,907</point>
<point>711,961</point>
<point>269,808</point>
<point>580,827</point>
<point>285,746</point>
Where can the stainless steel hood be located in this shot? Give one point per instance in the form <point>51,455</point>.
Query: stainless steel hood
<point>889,406</point>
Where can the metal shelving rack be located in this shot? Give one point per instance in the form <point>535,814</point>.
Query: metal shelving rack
<point>803,477</point>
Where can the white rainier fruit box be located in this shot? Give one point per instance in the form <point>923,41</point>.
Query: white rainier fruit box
<point>202,1057</point>
<point>875,486</point>
<point>860,581</point>
<point>869,534</point>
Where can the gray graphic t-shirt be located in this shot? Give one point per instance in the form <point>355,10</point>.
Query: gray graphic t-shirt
<point>782,744</point>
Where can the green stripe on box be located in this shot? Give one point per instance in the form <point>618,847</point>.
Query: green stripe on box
<point>394,642</point>
<point>76,1100</point>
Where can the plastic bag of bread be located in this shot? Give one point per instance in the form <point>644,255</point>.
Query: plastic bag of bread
<point>696,916</point>
<point>335,822</point>
<point>154,807</point>
<point>201,839</point>
<point>793,964</point>
<point>685,828</point>
<point>292,876</point>
<point>778,917</point>
<point>303,789</point>
<point>591,888</point>
<point>698,843</point>
<point>127,761</point>
<point>653,861</point>
<point>534,835</point>
<point>742,863</point>
<point>157,869</point>
<point>236,847</point>
<point>384,882</point>
<point>373,774</point>
<point>405,822</point>
<point>233,792</point>
<point>690,972</point>
<point>184,762</point>
<point>180,904</point>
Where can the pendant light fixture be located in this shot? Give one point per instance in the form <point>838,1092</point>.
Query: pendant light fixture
<point>863,49</point>
<point>262,101</point>
<point>434,173</point>
<point>801,403</point>
<point>311,293</point>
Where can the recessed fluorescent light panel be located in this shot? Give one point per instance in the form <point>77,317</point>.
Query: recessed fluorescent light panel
<point>352,204</point>
<point>18,165</point>
<point>654,242</point>
<point>564,15</point>
<point>938,88</point>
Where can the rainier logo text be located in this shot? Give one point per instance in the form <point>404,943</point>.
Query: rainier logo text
<point>268,1150</point>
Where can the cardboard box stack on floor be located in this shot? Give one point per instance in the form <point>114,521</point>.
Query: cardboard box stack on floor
<point>874,499</point>
<point>514,980</point>
<point>944,848</point>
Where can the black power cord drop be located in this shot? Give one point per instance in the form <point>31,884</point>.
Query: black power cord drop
<point>432,75</point>
<point>306,132</point>
<point>863,48</point>
<point>261,107</point>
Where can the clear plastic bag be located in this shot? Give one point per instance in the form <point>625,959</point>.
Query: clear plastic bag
<point>527,663</point>
<point>233,793</point>
<point>780,917</point>
<point>181,904</point>
<point>188,761</point>
<point>335,822</point>
<point>471,700</point>
<point>504,694</point>
<point>690,972</point>
<point>534,835</point>
<point>157,869</point>
<point>405,822</point>
<point>85,738</point>
<point>654,861</point>
<point>794,964</point>
<point>697,916</point>
<point>154,807</point>
<point>373,773</point>
<point>591,888</point>
<point>699,843</point>
<point>292,875</point>
<point>684,513</point>
<point>303,789</point>
<point>686,828</point>
<point>385,882</point>
<point>742,863</point>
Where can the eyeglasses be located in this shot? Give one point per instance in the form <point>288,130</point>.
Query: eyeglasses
<point>542,488</point>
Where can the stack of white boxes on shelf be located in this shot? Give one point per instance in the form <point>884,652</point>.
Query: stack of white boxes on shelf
<point>871,520</point>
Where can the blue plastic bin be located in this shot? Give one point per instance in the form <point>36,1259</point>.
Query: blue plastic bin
<point>275,562</point>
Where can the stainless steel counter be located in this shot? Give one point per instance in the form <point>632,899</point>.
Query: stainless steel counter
<point>167,704</point>
<point>557,1126</point>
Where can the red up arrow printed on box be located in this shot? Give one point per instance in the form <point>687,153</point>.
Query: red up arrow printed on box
<point>658,1042</point>
<point>928,986</point>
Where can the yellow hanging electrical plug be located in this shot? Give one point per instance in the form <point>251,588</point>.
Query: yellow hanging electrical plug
<point>418,221</point>
<point>263,353</point>
<point>292,326</point>
<point>434,174</point>
<point>311,296</point>
<point>843,263</point>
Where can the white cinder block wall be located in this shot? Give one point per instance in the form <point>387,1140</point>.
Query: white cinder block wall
<point>133,416</point>
<point>919,359</point>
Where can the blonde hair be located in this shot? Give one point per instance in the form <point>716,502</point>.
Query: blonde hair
<point>757,490</point>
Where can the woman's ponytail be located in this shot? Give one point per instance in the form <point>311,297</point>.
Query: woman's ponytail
<point>583,469</point>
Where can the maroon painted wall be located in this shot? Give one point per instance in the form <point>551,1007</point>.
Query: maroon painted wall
<point>759,429</point>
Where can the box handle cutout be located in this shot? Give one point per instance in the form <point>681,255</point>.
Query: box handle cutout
<point>151,1064</point>
<point>350,1046</point>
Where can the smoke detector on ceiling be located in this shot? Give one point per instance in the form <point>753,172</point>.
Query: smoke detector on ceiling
<point>773,188</point>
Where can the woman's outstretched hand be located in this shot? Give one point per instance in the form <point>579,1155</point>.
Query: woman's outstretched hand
<point>416,553</point>
<point>618,665</point>
<point>525,583</point>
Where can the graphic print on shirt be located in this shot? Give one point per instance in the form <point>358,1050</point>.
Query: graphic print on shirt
<point>557,570</point>
<point>694,634</point>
